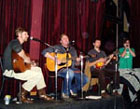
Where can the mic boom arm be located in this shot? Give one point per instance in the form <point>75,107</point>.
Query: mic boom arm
<point>38,40</point>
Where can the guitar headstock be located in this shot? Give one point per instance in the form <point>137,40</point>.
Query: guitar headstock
<point>116,52</point>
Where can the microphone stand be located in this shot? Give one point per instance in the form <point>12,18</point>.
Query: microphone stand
<point>56,61</point>
<point>67,74</point>
<point>81,57</point>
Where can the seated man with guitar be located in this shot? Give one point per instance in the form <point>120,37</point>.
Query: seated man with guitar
<point>98,63</point>
<point>17,64</point>
<point>66,61</point>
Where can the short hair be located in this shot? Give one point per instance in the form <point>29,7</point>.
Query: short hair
<point>63,35</point>
<point>20,30</point>
<point>125,39</point>
<point>97,39</point>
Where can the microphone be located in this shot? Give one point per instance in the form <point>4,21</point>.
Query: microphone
<point>72,42</point>
<point>35,39</point>
<point>38,40</point>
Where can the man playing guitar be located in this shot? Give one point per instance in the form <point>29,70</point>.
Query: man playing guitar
<point>98,65</point>
<point>32,75</point>
<point>67,51</point>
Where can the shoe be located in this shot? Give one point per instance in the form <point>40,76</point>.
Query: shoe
<point>46,98</point>
<point>24,99</point>
<point>42,95</point>
<point>64,96</point>
<point>116,93</point>
<point>105,95</point>
<point>73,94</point>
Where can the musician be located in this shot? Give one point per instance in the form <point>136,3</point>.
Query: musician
<point>126,55</point>
<point>33,76</point>
<point>98,63</point>
<point>128,76</point>
<point>62,48</point>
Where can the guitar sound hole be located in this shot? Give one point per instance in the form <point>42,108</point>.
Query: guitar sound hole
<point>62,64</point>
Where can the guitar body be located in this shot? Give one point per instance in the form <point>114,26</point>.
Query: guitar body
<point>99,65</point>
<point>18,63</point>
<point>51,63</point>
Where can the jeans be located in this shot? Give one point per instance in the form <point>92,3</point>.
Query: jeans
<point>63,73</point>
<point>76,86</point>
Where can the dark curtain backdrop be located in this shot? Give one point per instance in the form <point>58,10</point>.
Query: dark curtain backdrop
<point>135,28</point>
<point>81,20</point>
<point>135,23</point>
<point>13,13</point>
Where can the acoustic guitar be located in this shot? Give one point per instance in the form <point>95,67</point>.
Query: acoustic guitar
<point>18,63</point>
<point>50,64</point>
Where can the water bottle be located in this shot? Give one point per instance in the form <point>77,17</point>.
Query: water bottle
<point>7,99</point>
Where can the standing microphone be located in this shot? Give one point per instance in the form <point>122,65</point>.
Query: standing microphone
<point>38,40</point>
<point>35,39</point>
<point>72,42</point>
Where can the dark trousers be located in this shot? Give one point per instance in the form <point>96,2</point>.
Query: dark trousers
<point>103,73</point>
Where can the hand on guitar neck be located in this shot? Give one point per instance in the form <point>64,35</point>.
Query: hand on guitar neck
<point>101,62</point>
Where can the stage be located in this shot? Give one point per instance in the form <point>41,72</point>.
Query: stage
<point>69,104</point>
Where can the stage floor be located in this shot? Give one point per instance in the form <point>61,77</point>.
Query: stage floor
<point>69,104</point>
<point>114,102</point>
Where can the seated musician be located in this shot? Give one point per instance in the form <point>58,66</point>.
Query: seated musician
<point>32,75</point>
<point>98,63</point>
<point>65,50</point>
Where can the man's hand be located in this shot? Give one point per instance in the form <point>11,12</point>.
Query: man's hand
<point>127,45</point>
<point>102,60</point>
<point>78,59</point>
<point>33,63</point>
<point>27,60</point>
<point>58,61</point>
<point>111,56</point>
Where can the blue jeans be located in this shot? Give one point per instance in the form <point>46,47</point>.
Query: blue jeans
<point>77,83</point>
<point>63,73</point>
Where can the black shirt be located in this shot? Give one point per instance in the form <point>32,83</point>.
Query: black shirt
<point>14,45</point>
<point>97,55</point>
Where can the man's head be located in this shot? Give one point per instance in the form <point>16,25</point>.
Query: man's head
<point>64,40</point>
<point>97,43</point>
<point>22,34</point>
<point>126,42</point>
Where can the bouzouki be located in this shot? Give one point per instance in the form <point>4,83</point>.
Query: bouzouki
<point>100,65</point>
<point>18,63</point>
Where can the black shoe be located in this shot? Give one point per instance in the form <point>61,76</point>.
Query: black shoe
<point>116,93</point>
<point>105,95</point>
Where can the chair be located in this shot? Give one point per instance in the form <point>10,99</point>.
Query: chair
<point>4,78</point>
<point>51,81</point>
<point>92,80</point>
